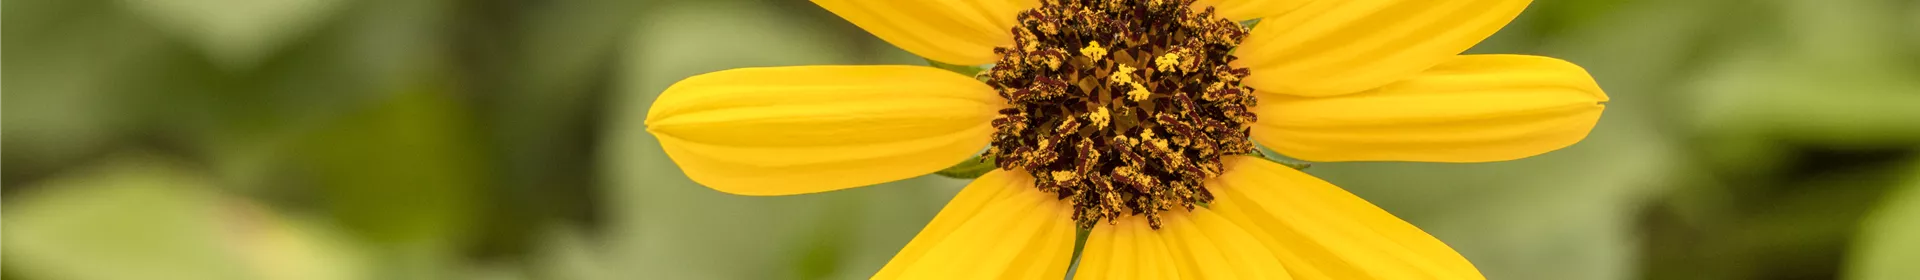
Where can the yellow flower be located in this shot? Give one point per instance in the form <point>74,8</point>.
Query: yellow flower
<point>1156,168</point>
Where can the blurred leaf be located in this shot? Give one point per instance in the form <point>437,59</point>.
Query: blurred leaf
<point>301,250</point>
<point>1912,23</point>
<point>402,171</point>
<point>1784,226</point>
<point>485,271</point>
<point>246,122</point>
<point>237,33</point>
<point>592,30</point>
<point>668,227</point>
<point>538,84</point>
<point>1557,17</point>
<point>822,252</point>
<point>1831,76</point>
<point>567,254</point>
<point>64,81</point>
<point>1757,90</point>
<point>1860,33</point>
<point>140,218</point>
<point>1889,242</point>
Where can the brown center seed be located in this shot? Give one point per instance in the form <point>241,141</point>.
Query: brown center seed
<point>1122,107</point>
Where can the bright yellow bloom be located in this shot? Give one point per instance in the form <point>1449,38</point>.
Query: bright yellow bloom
<point>1335,80</point>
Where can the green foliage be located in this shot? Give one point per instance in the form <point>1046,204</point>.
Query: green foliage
<point>236,33</point>
<point>135,217</point>
<point>423,139</point>
<point>1889,240</point>
<point>65,71</point>
<point>398,171</point>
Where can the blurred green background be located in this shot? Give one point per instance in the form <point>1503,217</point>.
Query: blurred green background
<point>502,139</point>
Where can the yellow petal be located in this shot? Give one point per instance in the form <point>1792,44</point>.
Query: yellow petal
<point>793,130</point>
<point>956,32</point>
<point>1097,258</point>
<point>1242,10</point>
<point>999,227</point>
<point>1219,249</point>
<point>1114,251</point>
<point>1475,108</point>
<point>1155,260</point>
<point>1240,246</point>
<point>1329,47</point>
<point>1319,231</point>
<point>1189,245</point>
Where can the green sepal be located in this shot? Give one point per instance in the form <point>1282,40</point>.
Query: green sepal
<point>1282,160</point>
<point>1080,241</point>
<point>970,71</point>
<point>969,169</point>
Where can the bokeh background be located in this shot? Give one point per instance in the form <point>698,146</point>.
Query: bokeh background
<point>502,139</point>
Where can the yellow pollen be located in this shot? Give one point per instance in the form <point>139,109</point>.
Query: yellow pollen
<point>1123,75</point>
<point>1063,176</point>
<point>1094,51</point>
<point>1099,117</point>
<point>1167,62</point>
<point>1139,92</point>
<point>1157,142</point>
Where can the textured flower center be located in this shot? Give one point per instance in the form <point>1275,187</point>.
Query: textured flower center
<point>1122,107</point>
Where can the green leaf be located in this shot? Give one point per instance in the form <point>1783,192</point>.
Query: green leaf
<point>141,218</point>
<point>66,84</point>
<point>237,33</point>
<point>566,253</point>
<point>401,171</point>
<point>1799,101</point>
<point>1889,242</point>
<point>1829,76</point>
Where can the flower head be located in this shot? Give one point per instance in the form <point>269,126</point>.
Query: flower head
<point>1189,127</point>
<point>1132,120</point>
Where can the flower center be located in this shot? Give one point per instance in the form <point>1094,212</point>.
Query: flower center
<point>1122,107</point>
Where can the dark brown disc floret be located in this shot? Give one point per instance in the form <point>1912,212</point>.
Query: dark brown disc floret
<point>1122,107</point>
